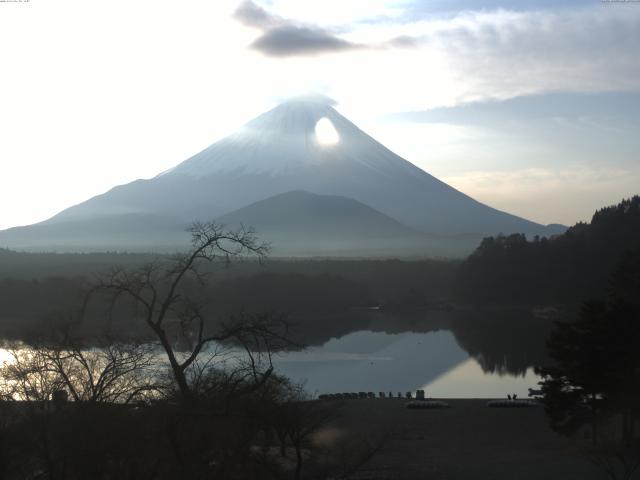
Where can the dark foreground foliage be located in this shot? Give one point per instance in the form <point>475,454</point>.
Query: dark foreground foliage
<point>594,383</point>
<point>194,398</point>
<point>229,434</point>
<point>38,292</point>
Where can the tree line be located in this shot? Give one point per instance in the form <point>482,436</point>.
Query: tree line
<point>562,269</point>
<point>201,400</point>
<point>592,386</point>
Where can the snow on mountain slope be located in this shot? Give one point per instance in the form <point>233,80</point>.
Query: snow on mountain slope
<point>275,153</point>
<point>283,141</point>
<point>278,151</point>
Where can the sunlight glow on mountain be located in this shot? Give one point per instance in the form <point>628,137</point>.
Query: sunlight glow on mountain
<point>326,133</point>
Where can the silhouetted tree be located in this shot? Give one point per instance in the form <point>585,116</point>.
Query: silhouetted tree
<point>114,373</point>
<point>222,371</point>
<point>564,268</point>
<point>296,418</point>
<point>71,406</point>
<point>596,376</point>
<point>174,313</point>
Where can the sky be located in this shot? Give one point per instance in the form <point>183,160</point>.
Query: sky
<point>532,107</point>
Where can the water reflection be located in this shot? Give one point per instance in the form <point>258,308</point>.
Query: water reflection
<point>504,341</point>
<point>462,353</point>
<point>453,353</point>
<point>376,361</point>
<point>469,380</point>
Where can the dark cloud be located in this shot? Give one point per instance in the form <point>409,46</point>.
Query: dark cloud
<point>284,38</point>
<point>292,40</point>
<point>254,15</point>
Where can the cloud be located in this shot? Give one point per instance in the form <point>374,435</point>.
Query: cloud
<point>405,41</point>
<point>550,195</point>
<point>472,55</point>
<point>505,53</point>
<point>284,38</point>
<point>549,107</point>
<point>253,15</point>
<point>422,61</point>
<point>314,97</point>
<point>290,40</point>
<point>421,9</point>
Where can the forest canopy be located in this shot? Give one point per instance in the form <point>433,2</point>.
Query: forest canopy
<point>563,268</point>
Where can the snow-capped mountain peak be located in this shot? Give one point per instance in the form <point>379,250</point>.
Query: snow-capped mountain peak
<point>275,153</point>
<point>285,140</point>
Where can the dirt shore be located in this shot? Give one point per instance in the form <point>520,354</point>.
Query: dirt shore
<point>466,441</point>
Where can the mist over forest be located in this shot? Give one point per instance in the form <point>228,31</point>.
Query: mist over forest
<point>328,298</point>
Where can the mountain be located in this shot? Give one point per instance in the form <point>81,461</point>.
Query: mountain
<point>111,232</point>
<point>275,153</point>
<point>300,222</point>
<point>316,215</point>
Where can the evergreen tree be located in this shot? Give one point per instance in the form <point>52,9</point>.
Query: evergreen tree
<point>595,380</point>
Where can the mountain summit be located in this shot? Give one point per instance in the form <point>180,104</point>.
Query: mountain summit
<point>280,151</point>
<point>280,142</point>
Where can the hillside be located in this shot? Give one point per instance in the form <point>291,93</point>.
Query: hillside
<point>568,267</point>
<point>316,215</point>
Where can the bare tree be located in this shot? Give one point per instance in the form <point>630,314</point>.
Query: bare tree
<point>114,373</point>
<point>159,292</point>
<point>301,422</point>
<point>51,437</point>
<point>307,417</point>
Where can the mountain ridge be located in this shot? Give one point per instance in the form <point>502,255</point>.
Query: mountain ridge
<point>278,152</point>
<point>335,214</point>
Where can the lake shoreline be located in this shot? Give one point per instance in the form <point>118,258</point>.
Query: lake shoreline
<point>468,440</point>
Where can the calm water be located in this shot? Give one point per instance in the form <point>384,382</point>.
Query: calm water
<point>378,361</point>
<point>465,354</point>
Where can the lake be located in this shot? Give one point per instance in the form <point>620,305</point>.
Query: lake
<point>401,362</point>
<point>462,353</point>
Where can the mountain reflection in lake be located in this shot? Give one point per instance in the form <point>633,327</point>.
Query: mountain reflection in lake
<point>461,354</point>
<point>375,361</point>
